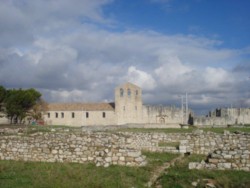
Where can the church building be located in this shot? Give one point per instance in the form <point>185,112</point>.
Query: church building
<point>128,108</point>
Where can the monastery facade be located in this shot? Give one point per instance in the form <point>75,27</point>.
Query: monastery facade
<point>128,108</point>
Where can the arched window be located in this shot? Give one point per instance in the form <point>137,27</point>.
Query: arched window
<point>129,92</point>
<point>121,92</point>
<point>103,114</point>
<point>136,92</point>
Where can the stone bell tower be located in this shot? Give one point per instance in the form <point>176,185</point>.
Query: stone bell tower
<point>128,104</point>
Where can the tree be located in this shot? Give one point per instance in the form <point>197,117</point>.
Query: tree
<point>2,97</point>
<point>38,109</point>
<point>190,119</point>
<point>19,102</point>
<point>2,93</point>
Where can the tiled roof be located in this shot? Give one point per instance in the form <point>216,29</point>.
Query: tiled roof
<point>81,107</point>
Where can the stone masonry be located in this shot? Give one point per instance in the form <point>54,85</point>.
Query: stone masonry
<point>68,147</point>
<point>225,151</point>
<point>233,152</point>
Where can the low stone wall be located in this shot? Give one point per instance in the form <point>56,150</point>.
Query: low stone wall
<point>64,147</point>
<point>224,159</point>
<point>150,141</point>
<point>225,151</point>
<point>124,148</point>
<point>230,151</point>
<point>206,143</point>
<point>198,142</point>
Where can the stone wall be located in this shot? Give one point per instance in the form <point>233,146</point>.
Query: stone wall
<point>69,147</point>
<point>224,116</point>
<point>225,151</point>
<point>212,121</point>
<point>237,158</point>
<point>206,143</point>
<point>230,151</point>
<point>150,141</point>
<point>124,148</point>
<point>162,115</point>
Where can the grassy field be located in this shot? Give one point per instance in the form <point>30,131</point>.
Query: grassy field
<point>33,174</point>
<point>180,176</point>
<point>46,175</point>
<point>47,128</point>
<point>189,130</point>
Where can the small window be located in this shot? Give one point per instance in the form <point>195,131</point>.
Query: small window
<point>103,114</point>
<point>87,115</point>
<point>136,92</point>
<point>48,115</point>
<point>56,115</point>
<point>129,92</point>
<point>73,115</point>
<point>121,92</point>
<point>62,115</point>
<point>123,108</point>
<point>135,107</point>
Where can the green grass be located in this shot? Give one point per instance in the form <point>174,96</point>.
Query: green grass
<point>20,174</point>
<point>30,174</point>
<point>47,128</point>
<point>152,130</point>
<point>169,144</point>
<point>156,159</point>
<point>231,129</point>
<point>190,130</point>
<point>180,176</point>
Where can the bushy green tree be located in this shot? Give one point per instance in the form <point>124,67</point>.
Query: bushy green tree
<point>2,94</point>
<point>18,103</point>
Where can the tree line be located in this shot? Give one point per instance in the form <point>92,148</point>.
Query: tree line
<point>21,104</point>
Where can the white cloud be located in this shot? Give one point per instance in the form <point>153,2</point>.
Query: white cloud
<point>172,71</point>
<point>141,78</point>
<point>49,45</point>
<point>214,77</point>
<point>22,21</point>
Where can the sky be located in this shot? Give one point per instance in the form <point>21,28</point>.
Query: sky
<point>80,50</point>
